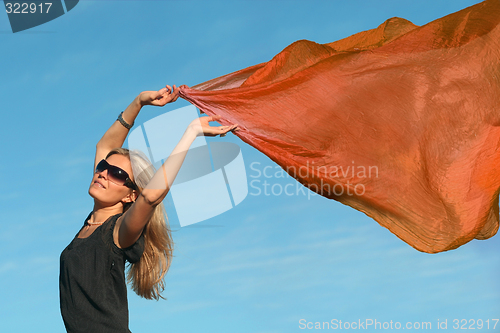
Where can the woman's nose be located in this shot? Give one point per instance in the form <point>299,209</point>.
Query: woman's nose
<point>103,174</point>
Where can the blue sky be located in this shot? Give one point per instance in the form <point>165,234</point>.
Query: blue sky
<point>259,267</point>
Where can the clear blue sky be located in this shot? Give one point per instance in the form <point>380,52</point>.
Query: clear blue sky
<point>261,266</point>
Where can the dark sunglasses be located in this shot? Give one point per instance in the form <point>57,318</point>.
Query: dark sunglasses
<point>116,175</point>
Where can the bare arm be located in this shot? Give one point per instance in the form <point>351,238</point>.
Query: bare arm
<point>116,134</point>
<point>131,224</point>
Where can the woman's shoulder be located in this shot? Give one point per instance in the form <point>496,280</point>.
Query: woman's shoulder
<point>132,253</point>
<point>106,230</point>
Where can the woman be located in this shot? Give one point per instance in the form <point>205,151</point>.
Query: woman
<point>127,223</point>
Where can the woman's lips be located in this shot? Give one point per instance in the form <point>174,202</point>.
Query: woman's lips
<point>98,184</point>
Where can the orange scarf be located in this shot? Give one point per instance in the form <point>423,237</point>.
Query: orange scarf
<point>400,122</point>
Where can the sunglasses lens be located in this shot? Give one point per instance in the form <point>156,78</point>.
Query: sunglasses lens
<point>103,165</point>
<point>115,174</point>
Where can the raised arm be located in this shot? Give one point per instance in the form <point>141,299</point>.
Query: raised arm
<point>116,134</point>
<point>131,224</point>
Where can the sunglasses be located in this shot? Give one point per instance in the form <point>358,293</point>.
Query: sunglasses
<point>116,175</point>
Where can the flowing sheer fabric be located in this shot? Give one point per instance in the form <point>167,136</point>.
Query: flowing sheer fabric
<point>400,122</point>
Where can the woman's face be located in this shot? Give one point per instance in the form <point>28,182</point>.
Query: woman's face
<point>106,192</point>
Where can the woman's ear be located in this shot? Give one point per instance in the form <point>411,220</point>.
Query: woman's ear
<point>131,197</point>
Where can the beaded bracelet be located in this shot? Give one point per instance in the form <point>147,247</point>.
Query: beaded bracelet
<point>123,122</point>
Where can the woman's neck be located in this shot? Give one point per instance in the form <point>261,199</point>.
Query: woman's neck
<point>101,214</point>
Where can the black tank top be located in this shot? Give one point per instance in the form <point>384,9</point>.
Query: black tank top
<point>92,286</point>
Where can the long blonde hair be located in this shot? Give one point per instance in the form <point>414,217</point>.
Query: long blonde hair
<point>147,275</point>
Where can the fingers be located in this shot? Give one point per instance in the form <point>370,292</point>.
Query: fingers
<point>215,130</point>
<point>165,95</point>
<point>175,93</point>
<point>229,128</point>
<point>226,129</point>
<point>156,95</point>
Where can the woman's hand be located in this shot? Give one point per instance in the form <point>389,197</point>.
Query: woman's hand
<point>160,97</point>
<point>201,127</point>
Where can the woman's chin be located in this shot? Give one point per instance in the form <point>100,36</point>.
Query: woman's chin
<point>101,198</point>
<point>96,193</point>
<point>92,191</point>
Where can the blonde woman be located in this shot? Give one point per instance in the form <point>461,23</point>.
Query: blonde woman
<point>127,223</point>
